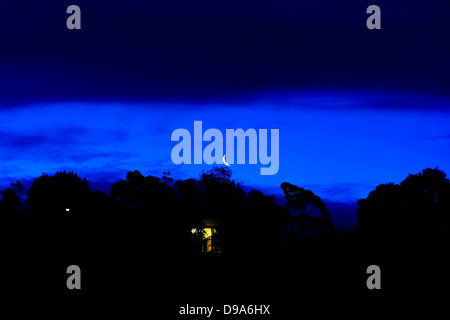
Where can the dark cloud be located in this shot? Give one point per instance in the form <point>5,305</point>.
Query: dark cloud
<point>180,50</point>
<point>22,141</point>
<point>441,137</point>
<point>315,55</point>
<point>82,157</point>
<point>34,140</point>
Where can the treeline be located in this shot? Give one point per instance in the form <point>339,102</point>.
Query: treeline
<point>147,211</point>
<point>417,207</point>
<point>160,213</point>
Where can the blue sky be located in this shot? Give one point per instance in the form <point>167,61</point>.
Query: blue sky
<point>355,107</point>
<point>339,144</point>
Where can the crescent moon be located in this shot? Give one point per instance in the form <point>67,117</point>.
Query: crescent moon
<point>225,161</point>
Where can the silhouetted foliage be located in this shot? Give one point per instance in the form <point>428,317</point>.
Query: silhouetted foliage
<point>221,195</point>
<point>11,203</point>
<point>148,209</point>
<point>51,196</point>
<point>190,201</point>
<point>160,213</point>
<point>266,219</point>
<point>161,225</point>
<point>419,206</point>
<point>308,213</point>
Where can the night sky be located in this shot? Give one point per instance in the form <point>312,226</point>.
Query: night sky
<point>355,107</point>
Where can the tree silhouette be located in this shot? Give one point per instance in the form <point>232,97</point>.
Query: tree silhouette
<point>267,220</point>
<point>308,213</point>
<point>18,188</point>
<point>137,191</point>
<point>419,206</point>
<point>151,213</point>
<point>382,210</point>
<point>55,196</point>
<point>11,203</point>
<point>222,196</point>
<point>190,200</point>
<point>161,213</point>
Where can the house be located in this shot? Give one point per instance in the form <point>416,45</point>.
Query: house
<point>214,229</point>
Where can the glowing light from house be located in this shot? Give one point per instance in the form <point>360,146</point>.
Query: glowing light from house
<point>207,232</point>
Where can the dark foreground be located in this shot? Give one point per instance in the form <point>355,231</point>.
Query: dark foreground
<point>319,277</point>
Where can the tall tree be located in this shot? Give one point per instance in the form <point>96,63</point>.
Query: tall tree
<point>63,193</point>
<point>222,196</point>
<point>419,205</point>
<point>308,213</point>
<point>11,203</point>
